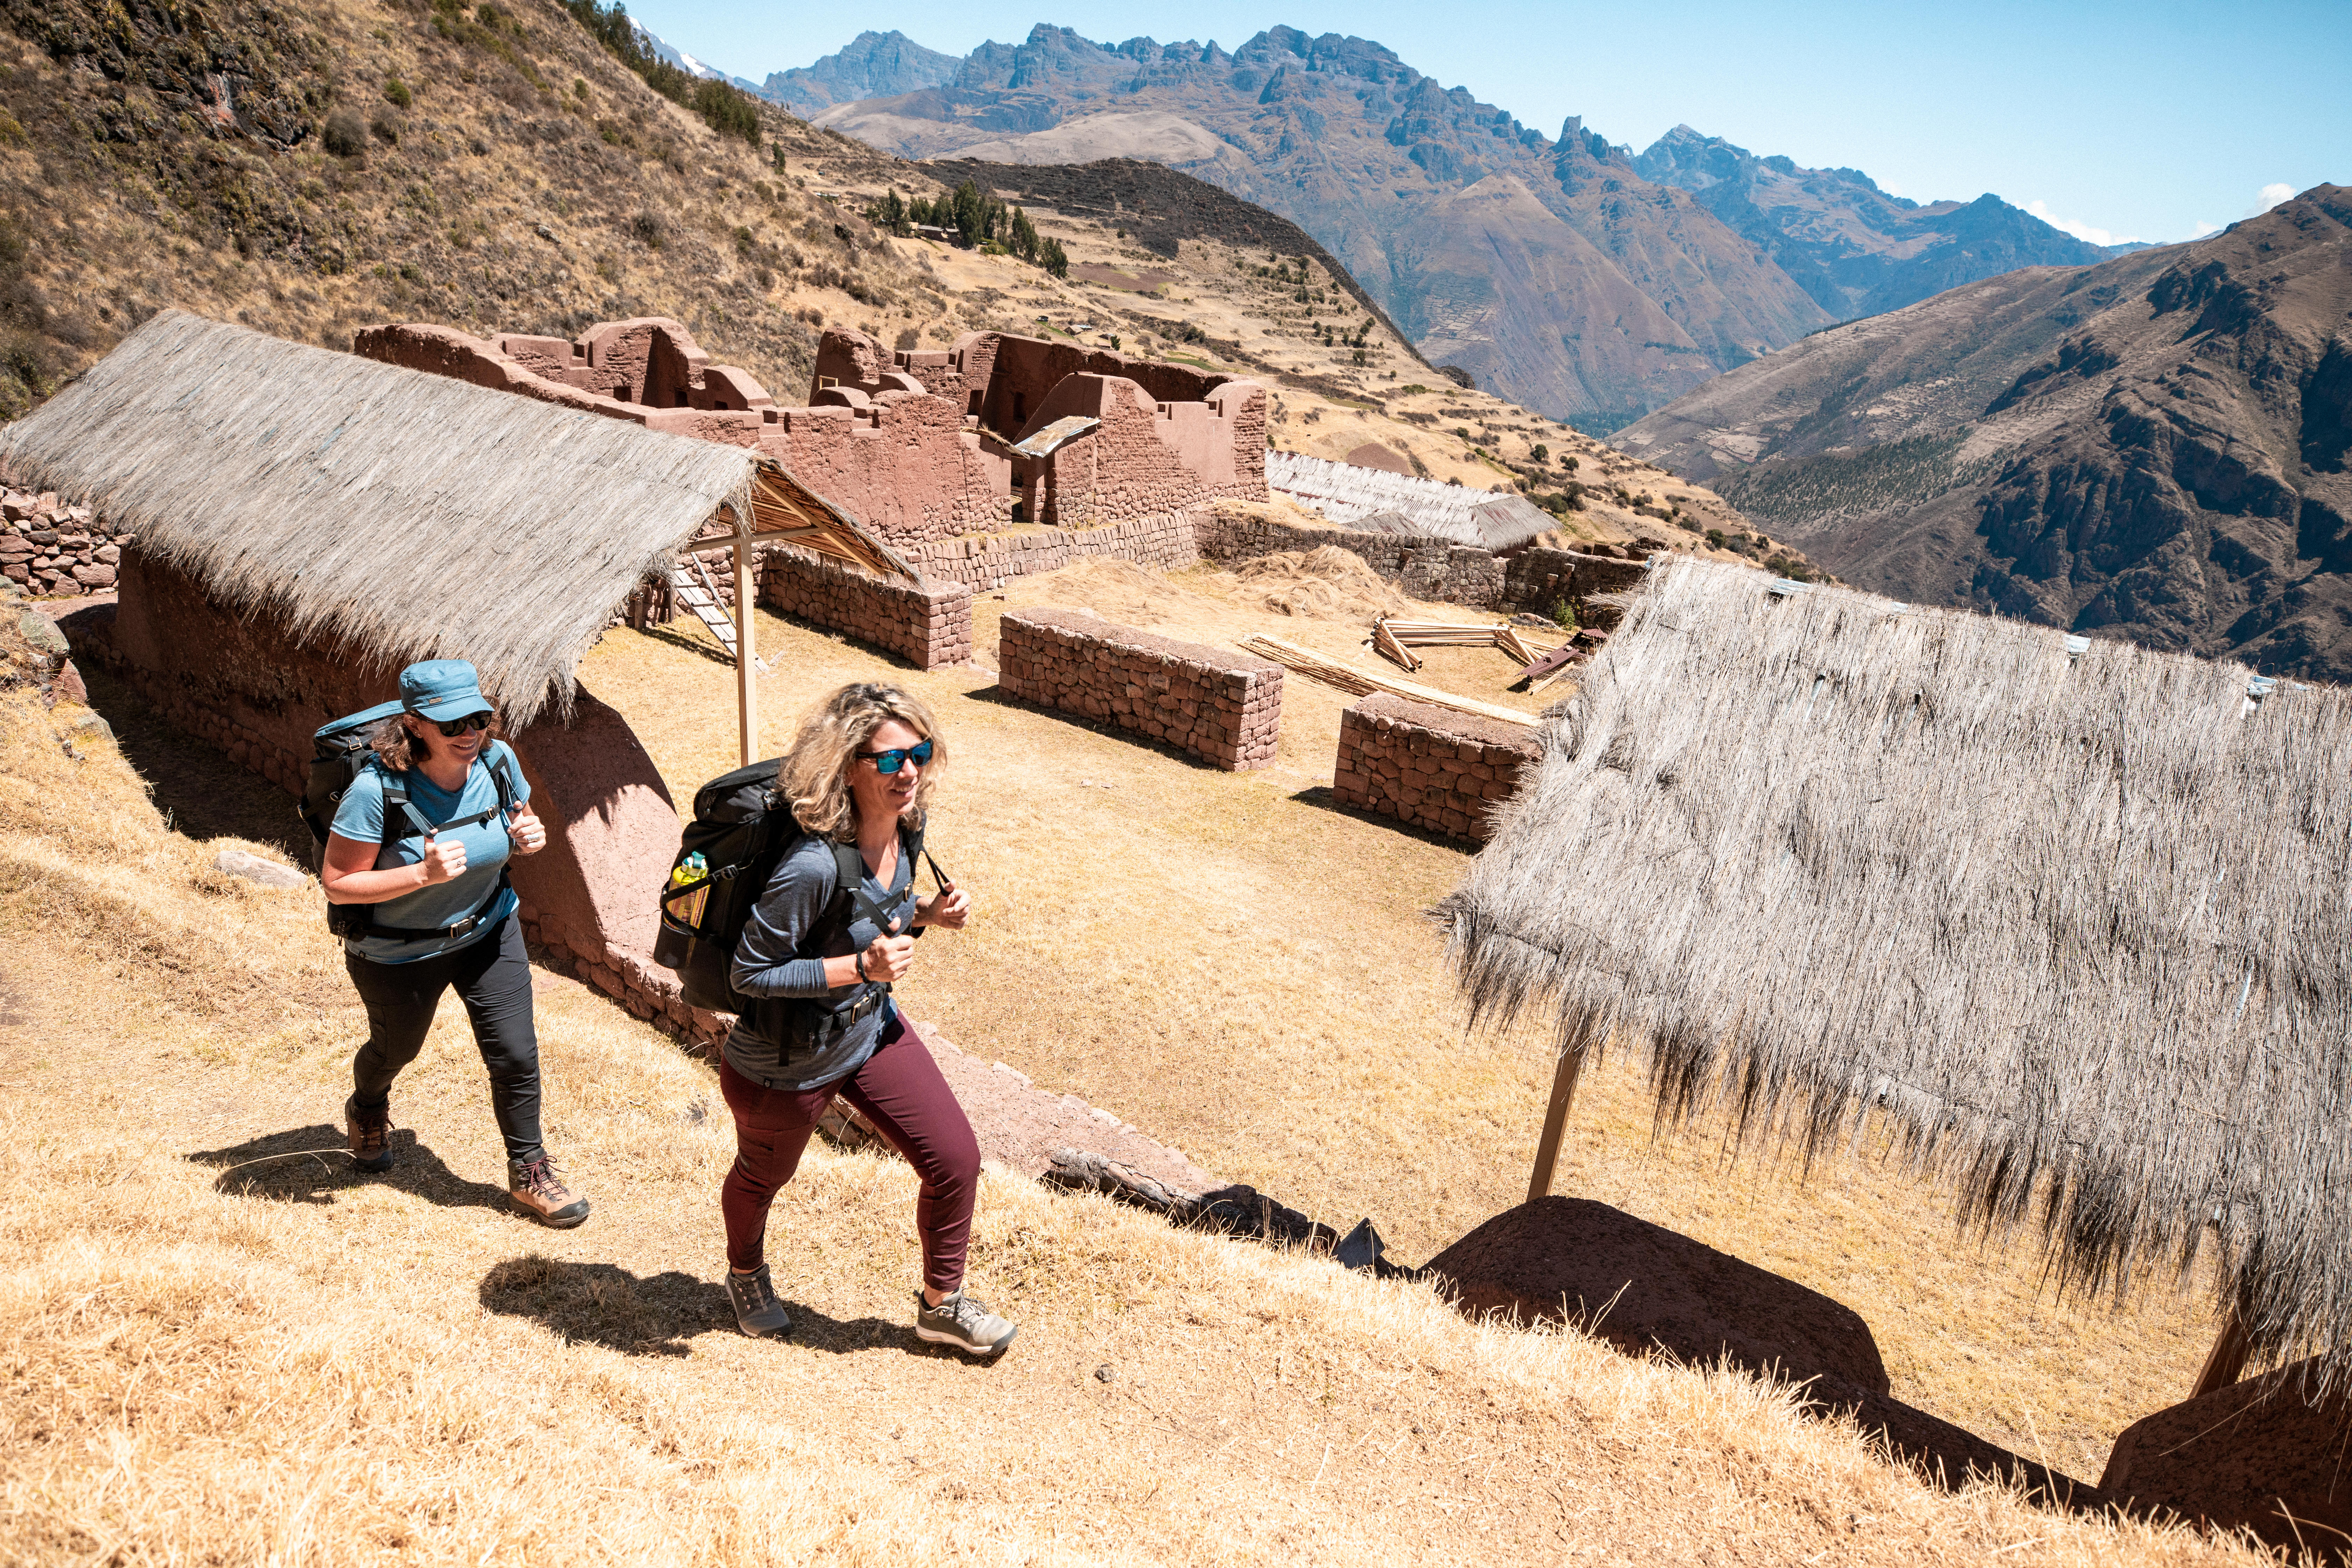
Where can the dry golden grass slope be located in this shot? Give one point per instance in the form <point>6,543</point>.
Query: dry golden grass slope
<point>217,1346</point>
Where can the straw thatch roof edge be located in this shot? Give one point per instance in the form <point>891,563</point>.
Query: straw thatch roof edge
<point>2063,919</point>
<point>375,511</point>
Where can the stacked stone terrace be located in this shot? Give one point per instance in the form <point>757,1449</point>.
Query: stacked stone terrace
<point>1430,767</point>
<point>49,548</point>
<point>1221,706</point>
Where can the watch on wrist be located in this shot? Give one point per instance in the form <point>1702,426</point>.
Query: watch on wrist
<point>861,970</point>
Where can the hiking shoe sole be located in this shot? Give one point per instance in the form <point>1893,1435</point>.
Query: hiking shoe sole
<point>353,1129</point>
<point>757,1311</point>
<point>561,1219</point>
<point>966,1324</point>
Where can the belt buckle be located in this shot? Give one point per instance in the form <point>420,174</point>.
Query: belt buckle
<point>462,928</point>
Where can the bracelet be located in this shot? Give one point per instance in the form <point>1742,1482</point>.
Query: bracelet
<point>861,970</point>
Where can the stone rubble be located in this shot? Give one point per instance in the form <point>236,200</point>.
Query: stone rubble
<point>51,550</point>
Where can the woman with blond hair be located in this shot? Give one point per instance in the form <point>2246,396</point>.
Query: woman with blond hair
<point>832,932</point>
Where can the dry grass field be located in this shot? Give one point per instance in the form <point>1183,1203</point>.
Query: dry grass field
<point>1242,969</point>
<point>216,1346</point>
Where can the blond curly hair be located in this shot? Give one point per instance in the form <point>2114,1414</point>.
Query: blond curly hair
<point>815,772</point>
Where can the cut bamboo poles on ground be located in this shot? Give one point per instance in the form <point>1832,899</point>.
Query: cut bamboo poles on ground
<point>1395,640</point>
<point>1364,682</point>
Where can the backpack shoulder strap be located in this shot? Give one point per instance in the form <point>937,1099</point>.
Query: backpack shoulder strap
<point>502,756</point>
<point>395,801</point>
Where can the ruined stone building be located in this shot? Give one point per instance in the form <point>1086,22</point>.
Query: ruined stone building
<point>921,446</point>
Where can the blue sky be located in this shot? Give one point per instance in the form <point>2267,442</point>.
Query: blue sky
<point>2149,121</point>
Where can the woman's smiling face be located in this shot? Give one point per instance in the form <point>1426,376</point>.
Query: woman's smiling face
<point>461,748</point>
<point>880,795</point>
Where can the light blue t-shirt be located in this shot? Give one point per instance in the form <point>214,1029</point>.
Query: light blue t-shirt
<point>361,817</point>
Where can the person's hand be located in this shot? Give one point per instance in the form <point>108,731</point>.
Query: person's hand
<point>950,907</point>
<point>523,827</point>
<point>889,957</point>
<point>443,862</point>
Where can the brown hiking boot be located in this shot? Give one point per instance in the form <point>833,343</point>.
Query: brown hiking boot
<point>538,1191</point>
<point>370,1132</point>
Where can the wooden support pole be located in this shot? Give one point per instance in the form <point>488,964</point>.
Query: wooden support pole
<point>747,690</point>
<point>2226,1361</point>
<point>1563,1094</point>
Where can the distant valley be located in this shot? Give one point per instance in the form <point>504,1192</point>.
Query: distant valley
<point>2154,448</point>
<point>1575,277</point>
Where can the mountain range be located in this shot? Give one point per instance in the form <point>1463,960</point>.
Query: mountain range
<point>2153,447</point>
<point>1572,275</point>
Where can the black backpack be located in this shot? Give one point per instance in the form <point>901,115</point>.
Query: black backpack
<point>742,828</point>
<point>337,753</point>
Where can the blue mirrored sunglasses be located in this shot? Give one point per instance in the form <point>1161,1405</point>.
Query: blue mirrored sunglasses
<point>891,761</point>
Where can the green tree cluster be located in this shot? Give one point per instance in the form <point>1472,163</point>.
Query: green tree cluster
<point>979,218</point>
<point>724,109</point>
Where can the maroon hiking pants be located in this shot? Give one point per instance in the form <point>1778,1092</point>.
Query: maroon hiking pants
<point>898,1090</point>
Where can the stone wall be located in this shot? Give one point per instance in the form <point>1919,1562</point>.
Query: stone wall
<point>1224,707</point>
<point>1430,569</point>
<point>981,561</point>
<point>929,624</point>
<point>1538,579</point>
<point>47,548</point>
<point>1429,767</point>
<point>1433,569</point>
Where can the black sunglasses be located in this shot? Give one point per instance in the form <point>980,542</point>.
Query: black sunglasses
<point>891,761</point>
<point>453,728</point>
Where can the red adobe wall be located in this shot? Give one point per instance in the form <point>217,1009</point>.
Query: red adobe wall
<point>903,463</point>
<point>629,370</point>
<point>1209,429</point>
<point>1430,767</point>
<point>1225,708</point>
<point>1145,457</point>
<point>1012,375</point>
<point>246,685</point>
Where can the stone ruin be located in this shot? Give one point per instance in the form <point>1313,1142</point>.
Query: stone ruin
<point>921,446</point>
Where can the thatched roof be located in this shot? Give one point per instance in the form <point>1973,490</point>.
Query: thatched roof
<point>400,514</point>
<point>2073,923</point>
<point>1377,502</point>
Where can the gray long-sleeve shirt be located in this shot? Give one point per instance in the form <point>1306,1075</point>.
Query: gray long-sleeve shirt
<point>775,960</point>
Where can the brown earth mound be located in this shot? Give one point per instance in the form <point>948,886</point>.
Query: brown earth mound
<point>1324,583</point>
<point>2261,1455</point>
<point>1643,1287</point>
<point>1373,455</point>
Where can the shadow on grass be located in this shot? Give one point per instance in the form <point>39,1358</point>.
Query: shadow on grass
<point>201,792</point>
<point>604,1304</point>
<point>670,635</point>
<point>704,647</point>
<point>312,1165</point>
<point>997,697</point>
<point>1323,797</point>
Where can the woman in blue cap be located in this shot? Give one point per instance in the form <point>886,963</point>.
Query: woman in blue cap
<point>421,841</point>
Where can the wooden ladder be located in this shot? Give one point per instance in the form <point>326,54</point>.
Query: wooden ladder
<point>702,598</point>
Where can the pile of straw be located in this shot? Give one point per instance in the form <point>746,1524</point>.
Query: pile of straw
<point>2073,926</point>
<point>378,509</point>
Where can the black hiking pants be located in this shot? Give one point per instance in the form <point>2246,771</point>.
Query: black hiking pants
<point>493,980</point>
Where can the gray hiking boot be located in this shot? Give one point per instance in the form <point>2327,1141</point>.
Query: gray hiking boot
<point>757,1311</point>
<point>538,1191</point>
<point>370,1132</point>
<point>963,1322</point>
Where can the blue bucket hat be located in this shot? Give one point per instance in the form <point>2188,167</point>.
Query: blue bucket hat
<point>442,689</point>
